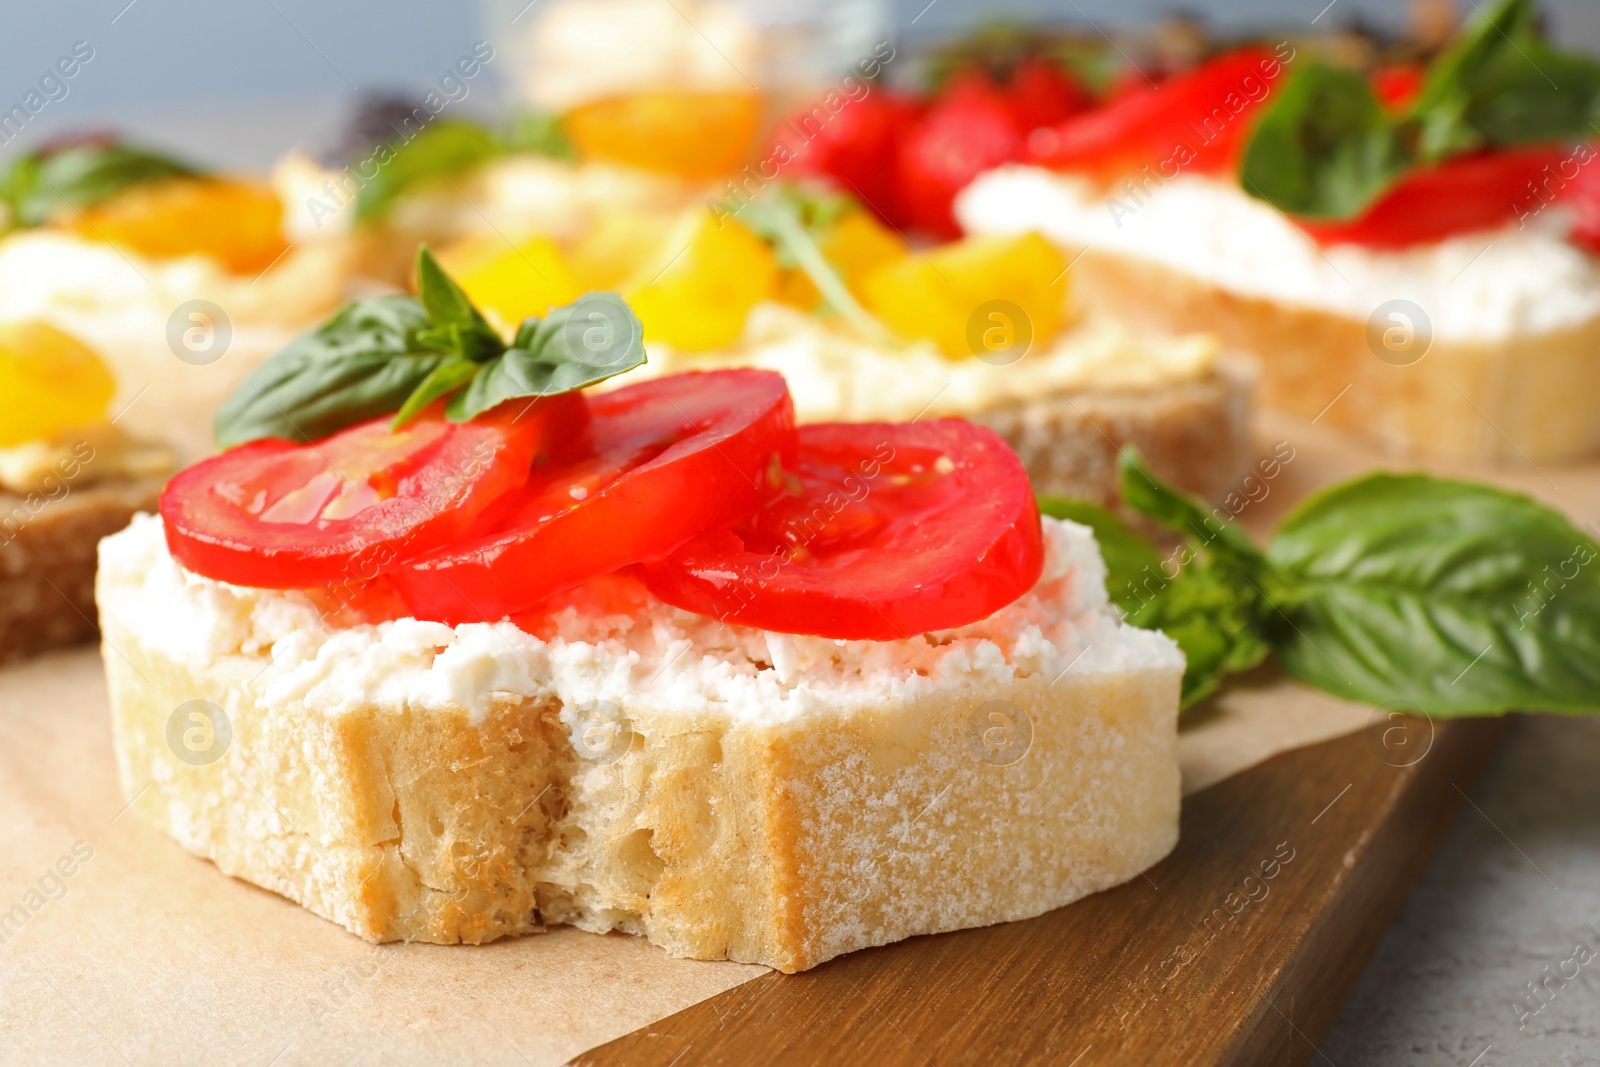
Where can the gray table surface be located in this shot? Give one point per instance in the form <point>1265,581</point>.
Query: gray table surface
<point>1511,898</point>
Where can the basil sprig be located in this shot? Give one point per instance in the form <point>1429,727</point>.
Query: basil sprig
<point>1395,589</point>
<point>1326,148</point>
<point>38,186</point>
<point>789,220</point>
<point>449,147</point>
<point>400,354</point>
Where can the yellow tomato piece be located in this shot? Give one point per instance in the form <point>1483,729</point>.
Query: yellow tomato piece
<point>686,133</point>
<point>51,382</point>
<point>617,246</point>
<point>703,283</point>
<point>856,244</point>
<point>238,224</point>
<point>980,296</point>
<point>510,283</point>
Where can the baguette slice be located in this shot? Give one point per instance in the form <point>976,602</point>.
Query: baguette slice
<point>1535,397</point>
<point>727,793</point>
<point>47,558</point>
<point>1485,346</point>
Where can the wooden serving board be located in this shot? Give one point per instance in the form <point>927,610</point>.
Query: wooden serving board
<point>1237,949</point>
<point>1191,964</point>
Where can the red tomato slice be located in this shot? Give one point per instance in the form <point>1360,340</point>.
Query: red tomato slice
<point>276,515</point>
<point>1469,193</point>
<point>893,530</point>
<point>1191,121</point>
<point>671,458</point>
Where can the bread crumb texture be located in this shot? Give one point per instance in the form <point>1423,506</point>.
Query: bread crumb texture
<point>727,793</point>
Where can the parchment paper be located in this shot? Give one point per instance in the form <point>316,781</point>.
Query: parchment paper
<point>144,954</point>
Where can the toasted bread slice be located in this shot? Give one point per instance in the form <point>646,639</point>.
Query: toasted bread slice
<point>728,794</point>
<point>1535,397</point>
<point>47,559</point>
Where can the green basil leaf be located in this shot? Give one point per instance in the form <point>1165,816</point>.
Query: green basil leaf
<point>540,134</point>
<point>438,151</point>
<point>1324,147</point>
<point>585,342</point>
<point>779,221</point>
<point>456,326</point>
<point>446,378</point>
<point>1216,617</point>
<point>1533,96</point>
<point>1131,561</point>
<point>1210,530</point>
<point>1216,596</point>
<point>40,185</point>
<point>362,363</point>
<point>1446,596</point>
<point>1502,84</point>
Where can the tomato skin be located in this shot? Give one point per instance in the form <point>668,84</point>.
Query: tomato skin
<point>856,148</point>
<point>1178,122</point>
<point>973,128</point>
<point>1043,94</point>
<point>1476,192</point>
<point>1398,85</point>
<point>1581,197</point>
<point>671,458</point>
<point>900,529</point>
<point>259,514</point>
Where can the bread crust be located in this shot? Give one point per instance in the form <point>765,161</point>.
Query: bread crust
<point>1194,434</point>
<point>1535,398</point>
<point>783,844</point>
<point>47,560</point>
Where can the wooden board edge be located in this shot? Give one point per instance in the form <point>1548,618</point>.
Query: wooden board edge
<point>1310,989</point>
<point>1297,996</point>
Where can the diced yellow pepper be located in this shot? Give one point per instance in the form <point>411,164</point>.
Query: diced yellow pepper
<point>703,282</point>
<point>51,383</point>
<point>238,224</point>
<point>617,245</point>
<point>855,245</point>
<point>961,295</point>
<point>511,283</point>
<point>686,133</point>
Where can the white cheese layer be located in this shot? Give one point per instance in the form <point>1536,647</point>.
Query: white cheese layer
<point>834,375</point>
<point>659,656</point>
<point>1486,286</point>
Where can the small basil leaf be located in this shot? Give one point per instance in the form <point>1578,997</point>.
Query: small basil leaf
<point>1153,498</point>
<point>573,347</point>
<point>1503,84</point>
<point>540,134</point>
<point>438,151</point>
<point>362,363</point>
<point>446,378</point>
<point>526,332</point>
<point>1131,561</point>
<point>1447,596</point>
<point>1324,148</point>
<point>1533,96</point>
<point>778,220</point>
<point>40,185</point>
<point>1216,617</point>
<point>456,325</point>
<point>1215,595</point>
